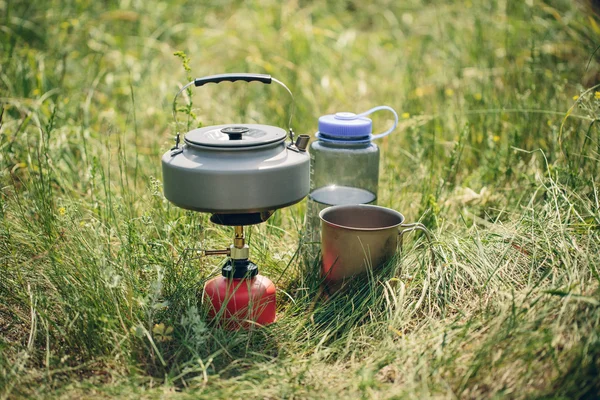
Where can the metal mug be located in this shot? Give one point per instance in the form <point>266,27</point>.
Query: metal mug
<point>356,238</point>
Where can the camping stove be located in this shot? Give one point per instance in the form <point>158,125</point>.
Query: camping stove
<point>240,173</point>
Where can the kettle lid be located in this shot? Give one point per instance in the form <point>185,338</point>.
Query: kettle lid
<point>235,136</point>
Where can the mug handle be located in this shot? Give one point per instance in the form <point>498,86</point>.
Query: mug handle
<point>417,226</point>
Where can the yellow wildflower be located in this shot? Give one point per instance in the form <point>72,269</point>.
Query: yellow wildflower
<point>62,211</point>
<point>575,97</point>
<point>496,138</point>
<point>405,115</point>
<point>478,96</point>
<point>597,95</point>
<point>448,92</point>
<point>396,331</point>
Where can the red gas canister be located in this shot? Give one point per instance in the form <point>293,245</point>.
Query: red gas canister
<point>240,298</point>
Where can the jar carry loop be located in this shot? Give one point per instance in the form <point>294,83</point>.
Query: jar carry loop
<point>371,111</point>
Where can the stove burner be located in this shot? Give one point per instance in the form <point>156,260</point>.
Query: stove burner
<point>241,219</point>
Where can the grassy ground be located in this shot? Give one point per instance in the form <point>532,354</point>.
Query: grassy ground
<point>498,153</point>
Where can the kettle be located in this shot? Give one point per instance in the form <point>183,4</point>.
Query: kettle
<point>239,172</point>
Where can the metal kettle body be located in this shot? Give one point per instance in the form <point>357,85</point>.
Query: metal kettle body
<point>237,180</point>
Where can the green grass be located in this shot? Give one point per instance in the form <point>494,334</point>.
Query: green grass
<point>494,153</point>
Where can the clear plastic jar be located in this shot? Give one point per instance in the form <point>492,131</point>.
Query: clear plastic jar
<point>344,169</point>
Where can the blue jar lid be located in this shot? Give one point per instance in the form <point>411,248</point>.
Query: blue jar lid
<point>345,125</point>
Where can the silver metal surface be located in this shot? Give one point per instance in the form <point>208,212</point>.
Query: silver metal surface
<point>216,137</point>
<point>230,181</point>
<point>356,238</point>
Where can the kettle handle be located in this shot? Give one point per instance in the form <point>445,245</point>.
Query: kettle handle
<point>233,77</point>
<point>266,79</point>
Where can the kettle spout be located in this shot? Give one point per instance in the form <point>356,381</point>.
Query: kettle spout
<point>302,142</point>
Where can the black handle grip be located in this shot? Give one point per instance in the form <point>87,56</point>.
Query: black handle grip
<point>232,78</point>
